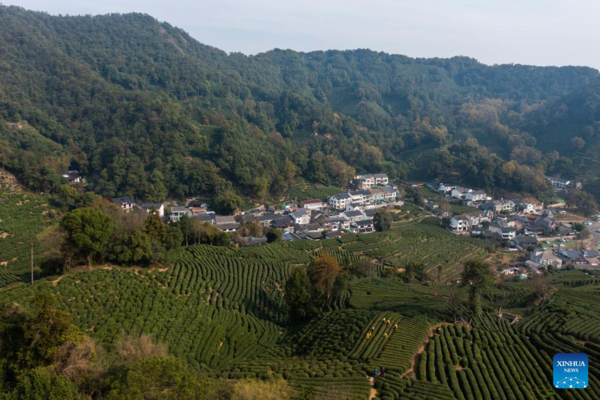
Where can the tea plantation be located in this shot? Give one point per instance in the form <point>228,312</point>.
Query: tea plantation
<point>22,216</point>
<point>422,242</point>
<point>222,310</point>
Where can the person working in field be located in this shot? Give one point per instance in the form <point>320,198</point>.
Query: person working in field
<point>396,326</point>
<point>385,335</point>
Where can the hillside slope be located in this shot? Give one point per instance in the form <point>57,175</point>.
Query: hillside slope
<point>141,108</point>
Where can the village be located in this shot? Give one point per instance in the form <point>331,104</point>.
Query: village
<point>312,219</point>
<point>519,224</point>
<point>547,236</point>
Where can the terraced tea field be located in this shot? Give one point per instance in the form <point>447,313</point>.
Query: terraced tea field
<point>22,216</point>
<point>223,310</point>
<point>424,242</point>
<point>495,361</point>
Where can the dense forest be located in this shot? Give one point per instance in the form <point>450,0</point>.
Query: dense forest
<point>142,109</point>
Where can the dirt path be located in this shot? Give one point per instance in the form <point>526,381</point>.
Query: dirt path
<point>422,346</point>
<point>55,282</point>
<point>373,393</point>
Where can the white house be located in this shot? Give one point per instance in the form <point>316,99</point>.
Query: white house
<point>460,192</point>
<point>476,195</point>
<point>546,257</point>
<point>73,176</point>
<point>365,226</point>
<point>354,216</point>
<point>339,201</point>
<point>178,212</point>
<point>446,188</point>
<point>313,204</point>
<point>126,202</point>
<point>301,216</point>
<point>368,180</point>
<point>532,205</point>
<point>157,208</point>
<point>390,194</point>
<point>563,184</point>
<point>377,195</point>
<point>460,224</point>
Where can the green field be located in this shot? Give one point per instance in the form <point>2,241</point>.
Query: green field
<point>22,216</point>
<point>222,311</point>
<point>424,242</point>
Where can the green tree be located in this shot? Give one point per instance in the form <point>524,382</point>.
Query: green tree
<point>186,227</point>
<point>274,235</point>
<point>415,272</point>
<point>155,228</point>
<point>134,248</point>
<point>159,378</point>
<point>382,221</point>
<point>174,238</point>
<point>41,384</point>
<point>478,276</point>
<point>32,340</point>
<point>225,203</point>
<point>88,231</point>
<point>298,294</point>
<point>322,272</point>
<point>260,187</point>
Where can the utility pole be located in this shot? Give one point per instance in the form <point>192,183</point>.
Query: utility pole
<point>31,260</point>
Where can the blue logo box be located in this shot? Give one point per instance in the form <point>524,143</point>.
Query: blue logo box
<point>570,371</point>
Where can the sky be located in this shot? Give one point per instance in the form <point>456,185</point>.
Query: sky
<point>535,32</point>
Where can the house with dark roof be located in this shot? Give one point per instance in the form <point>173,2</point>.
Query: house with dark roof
<point>73,177</point>
<point>177,212</point>
<point>354,216</point>
<point>460,224</point>
<point>283,223</point>
<point>265,219</point>
<point>255,241</point>
<point>289,237</point>
<point>334,234</point>
<point>228,227</point>
<point>301,216</point>
<point>546,258</point>
<point>339,201</point>
<point>521,243</point>
<point>125,202</point>
<point>364,226</point>
<point>544,224</point>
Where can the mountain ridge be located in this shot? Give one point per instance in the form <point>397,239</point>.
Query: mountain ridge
<point>115,86</point>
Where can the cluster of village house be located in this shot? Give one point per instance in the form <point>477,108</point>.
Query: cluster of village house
<point>517,222</point>
<point>352,211</point>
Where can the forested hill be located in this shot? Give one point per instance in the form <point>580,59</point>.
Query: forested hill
<point>142,108</point>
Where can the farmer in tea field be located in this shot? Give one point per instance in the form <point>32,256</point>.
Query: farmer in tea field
<point>373,328</point>
<point>396,326</point>
<point>385,335</point>
<point>382,371</point>
<point>375,372</point>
